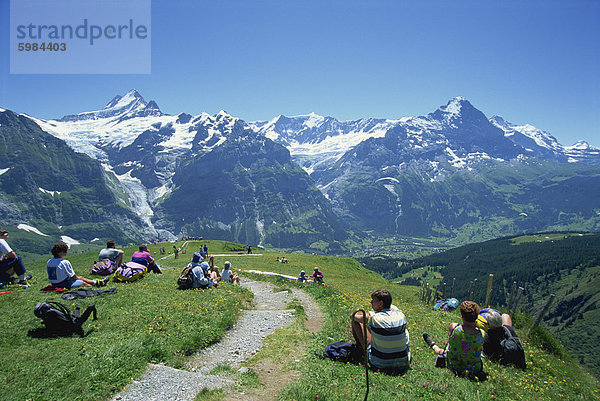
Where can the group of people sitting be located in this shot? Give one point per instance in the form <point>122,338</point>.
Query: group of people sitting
<point>317,276</point>
<point>388,341</point>
<point>206,274</point>
<point>61,273</point>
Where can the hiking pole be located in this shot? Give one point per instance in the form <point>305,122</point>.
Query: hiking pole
<point>364,347</point>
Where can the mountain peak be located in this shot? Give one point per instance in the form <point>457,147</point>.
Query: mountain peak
<point>131,104</point>
<point>119,101</point>
<point>501,123</point>
<point>580,145</point>
<point>456,109</point>
<point>456,105</point>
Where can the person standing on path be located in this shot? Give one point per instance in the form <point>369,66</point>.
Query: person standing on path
<point>175,251</point>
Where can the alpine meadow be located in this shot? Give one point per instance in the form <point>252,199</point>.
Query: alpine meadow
<point>410,197</point>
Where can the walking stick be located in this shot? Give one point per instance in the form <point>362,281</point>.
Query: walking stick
<point>364,347</point>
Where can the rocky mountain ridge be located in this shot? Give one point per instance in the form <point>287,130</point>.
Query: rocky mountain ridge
<point>451,171</point>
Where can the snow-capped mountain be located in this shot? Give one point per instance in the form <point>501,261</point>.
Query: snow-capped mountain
<point>139,144</point>
<point>317,142</point>
<point>453,170</point>
<point>542,144</point>
<point>583,152</point>
<point>45,182</point>
<point>158,165</point>
<point>131,105</point>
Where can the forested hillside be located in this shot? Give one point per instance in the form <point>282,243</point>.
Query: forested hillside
<point>564,264</point>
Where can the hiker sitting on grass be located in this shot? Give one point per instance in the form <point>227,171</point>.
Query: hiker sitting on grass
<point>61,274</point>
<point>317,276</point>
<point>302,277</point>
<point>227,275</point>
<point>112,253</point>
<point>203,277</point>
<point>499,328</point>
<point>143,257</point>
<point>214,269</point>
<point>387,336</point>
<point>463,352</point>
<point>197,258</point>
<point>10,263</point>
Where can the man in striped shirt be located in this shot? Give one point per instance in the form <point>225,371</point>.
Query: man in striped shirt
<point>387,336</point>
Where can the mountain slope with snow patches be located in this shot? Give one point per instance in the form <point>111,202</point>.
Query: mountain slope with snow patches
<point>169,169</point>
<point>218,175</point>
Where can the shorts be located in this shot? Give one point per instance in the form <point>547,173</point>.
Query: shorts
<point>68,283</point>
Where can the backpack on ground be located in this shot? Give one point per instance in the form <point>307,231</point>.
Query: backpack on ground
<point>512,350</point>
<point>130,271</point>
<point>58,319</point>
<point>186,278</point>
<point>343,351</point>
<point>446,304</point>
<point>104,267</point>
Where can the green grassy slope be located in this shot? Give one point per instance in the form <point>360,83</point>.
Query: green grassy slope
<point>152,321</point>
<point>564,264</point>
<point>146,321</point>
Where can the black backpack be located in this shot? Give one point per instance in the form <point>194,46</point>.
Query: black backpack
<point>512,350</point>
<point>186,278</point>
<point>58,319</point>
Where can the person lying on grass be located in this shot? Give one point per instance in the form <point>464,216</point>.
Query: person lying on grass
<point>463,352</point>
<point>387,336</point>
<point>61,274</point>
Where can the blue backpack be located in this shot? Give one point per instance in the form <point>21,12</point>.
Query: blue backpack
<point>343,351</point>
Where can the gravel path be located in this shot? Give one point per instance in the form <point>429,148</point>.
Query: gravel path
<point>244,339</point>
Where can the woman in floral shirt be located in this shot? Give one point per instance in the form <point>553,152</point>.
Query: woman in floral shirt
<point>463,353</point>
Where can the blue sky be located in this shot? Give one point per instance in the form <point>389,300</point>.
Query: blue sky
<point>529,61</point>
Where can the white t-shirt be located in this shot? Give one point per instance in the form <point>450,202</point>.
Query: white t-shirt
<point>226,275</point>
<point>59,269</point>
<point>4,247</point>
